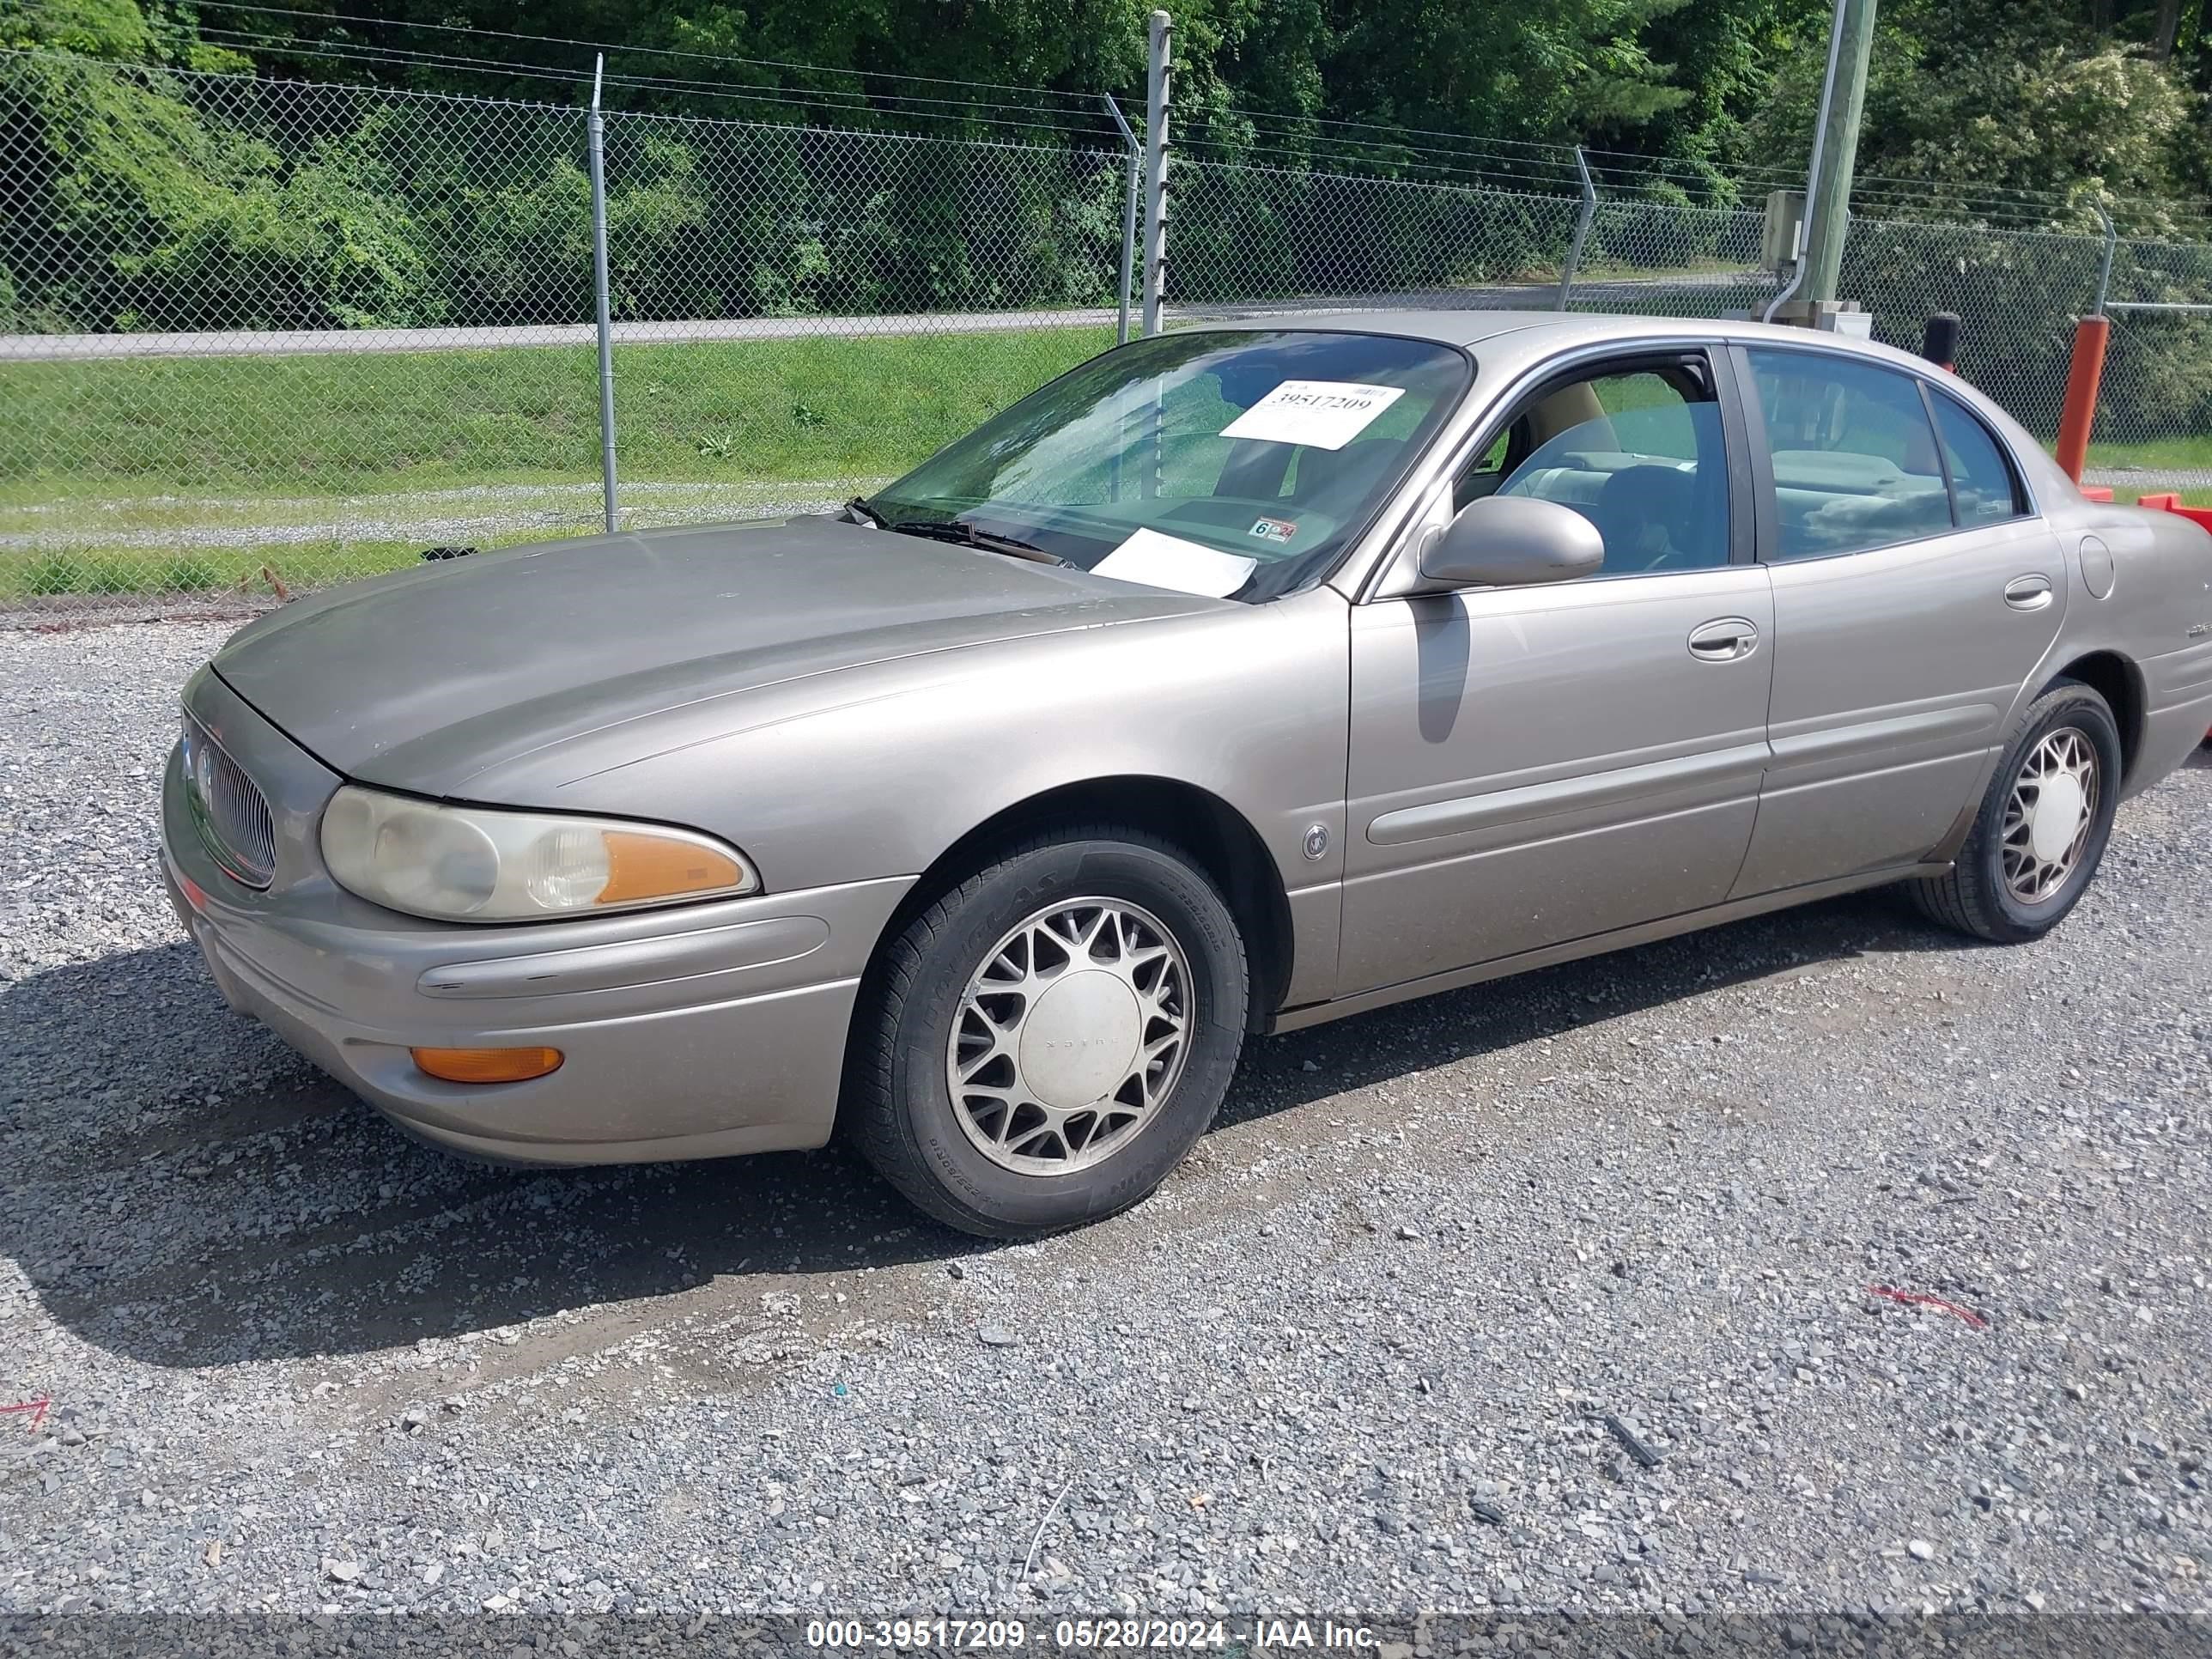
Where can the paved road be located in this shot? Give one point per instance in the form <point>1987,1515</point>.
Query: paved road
<point>1359,1353</point>
<point>425,517</point>
<point>2127,483</point>
<point>272,343</point>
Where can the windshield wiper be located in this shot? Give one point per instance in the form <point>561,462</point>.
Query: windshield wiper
<point>960,530</point>
<point>859,508</point>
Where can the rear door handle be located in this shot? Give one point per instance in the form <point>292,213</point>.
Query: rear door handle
<point>2028,592</point>
<point>1729,639</point>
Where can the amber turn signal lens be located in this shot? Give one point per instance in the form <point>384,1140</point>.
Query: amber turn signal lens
<point>641,867</point>
<point>487,1065</point>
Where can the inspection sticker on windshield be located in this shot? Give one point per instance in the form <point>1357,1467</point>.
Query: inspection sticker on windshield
<point>1278,531</point>
<point>1319,414</point>
<point>1157,561</point>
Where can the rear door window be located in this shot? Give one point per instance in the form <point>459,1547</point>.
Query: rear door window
<point>1854,454</point>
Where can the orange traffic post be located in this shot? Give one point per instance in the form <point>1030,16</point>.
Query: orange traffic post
<point>2090,335</point>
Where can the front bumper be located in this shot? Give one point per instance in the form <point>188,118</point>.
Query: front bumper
<point>692,1032</point>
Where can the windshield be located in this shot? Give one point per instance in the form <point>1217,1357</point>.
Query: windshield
<point>1225,464</point>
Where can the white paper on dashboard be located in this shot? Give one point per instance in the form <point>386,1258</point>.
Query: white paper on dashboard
<point>1319,414</point>
<point>1158,561</point>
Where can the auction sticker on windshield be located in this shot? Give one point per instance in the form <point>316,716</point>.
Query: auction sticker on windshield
<point>1319,414</point>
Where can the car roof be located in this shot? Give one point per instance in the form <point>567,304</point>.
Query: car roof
<point>1446,327</point>
<point>1542,330</point>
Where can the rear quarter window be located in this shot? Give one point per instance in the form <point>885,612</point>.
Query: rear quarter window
<point>1982,481</point>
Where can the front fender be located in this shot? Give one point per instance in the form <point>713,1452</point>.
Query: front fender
<point>876,772</point>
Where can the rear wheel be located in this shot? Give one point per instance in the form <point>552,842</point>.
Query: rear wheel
<point>1046,1041</point>
<point>2043,824</point>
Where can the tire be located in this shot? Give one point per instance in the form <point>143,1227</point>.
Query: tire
<point>1016,1153</point>
<point>1976,897</point>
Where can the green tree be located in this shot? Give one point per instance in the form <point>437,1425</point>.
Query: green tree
<point>1973,99</point>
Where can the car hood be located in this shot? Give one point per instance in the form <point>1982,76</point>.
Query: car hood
<point>426,678</point>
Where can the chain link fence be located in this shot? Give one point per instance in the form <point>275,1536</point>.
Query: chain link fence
<point>1672,259</point>
<point>802,313</point>
<point>258,336</point>
<point>2153,429</point>
<point>261,336</point>
<point>1246,239</point>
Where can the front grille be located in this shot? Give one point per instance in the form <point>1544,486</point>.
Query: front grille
<point>229,808</point>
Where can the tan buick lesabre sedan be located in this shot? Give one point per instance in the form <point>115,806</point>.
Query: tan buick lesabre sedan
<point>1239,678</point>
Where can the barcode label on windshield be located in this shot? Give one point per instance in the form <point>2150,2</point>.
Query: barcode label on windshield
<point>1319,414</point>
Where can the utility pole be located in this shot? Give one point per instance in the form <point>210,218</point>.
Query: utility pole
<point>1836,146</point>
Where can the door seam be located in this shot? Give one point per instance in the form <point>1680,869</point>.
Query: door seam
<point>1773,674</point>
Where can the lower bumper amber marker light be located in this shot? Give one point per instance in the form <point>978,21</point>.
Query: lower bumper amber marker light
<point>487,1065</point>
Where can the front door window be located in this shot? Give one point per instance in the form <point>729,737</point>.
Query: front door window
<point>1638,452</point>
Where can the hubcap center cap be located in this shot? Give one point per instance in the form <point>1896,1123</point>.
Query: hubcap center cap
<point>1080,1038</point>
<point>2057,815</point>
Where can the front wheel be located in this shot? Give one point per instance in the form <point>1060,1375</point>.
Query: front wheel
<point>2042,828</point>
<point>1044,1043</point>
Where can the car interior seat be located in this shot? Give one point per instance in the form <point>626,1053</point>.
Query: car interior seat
<point>1335,481</point>
<point>1648,515</point>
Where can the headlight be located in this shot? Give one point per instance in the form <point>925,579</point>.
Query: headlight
<point>476,864</point>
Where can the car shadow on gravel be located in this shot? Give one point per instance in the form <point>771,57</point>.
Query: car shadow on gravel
<point>287,1221</point>
<point>1506,1013</point>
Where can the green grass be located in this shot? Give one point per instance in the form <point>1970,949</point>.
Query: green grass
<point>2173,454</point>
<point>2126,493</point>
<point>107,469</point>
<point>2164,455</point>
<point>764,409</point>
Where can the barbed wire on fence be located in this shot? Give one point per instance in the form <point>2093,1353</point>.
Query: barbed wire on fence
<point>260,334</point>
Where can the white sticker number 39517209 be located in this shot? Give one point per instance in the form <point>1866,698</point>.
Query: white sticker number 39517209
<point>1319,414</point>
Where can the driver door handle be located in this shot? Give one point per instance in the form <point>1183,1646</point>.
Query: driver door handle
<point>1731,639</point>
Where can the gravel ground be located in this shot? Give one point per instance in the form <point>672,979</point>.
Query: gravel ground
<point>1360,1352</point>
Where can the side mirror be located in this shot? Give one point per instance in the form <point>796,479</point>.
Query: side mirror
<point>1511,541</point>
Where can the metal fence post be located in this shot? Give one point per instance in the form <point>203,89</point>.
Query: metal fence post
<point>2104,269</point>
<point>1583,219</point>
<point>1129,187</point>
<point>1156,172</point>
<point>598,128</point>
